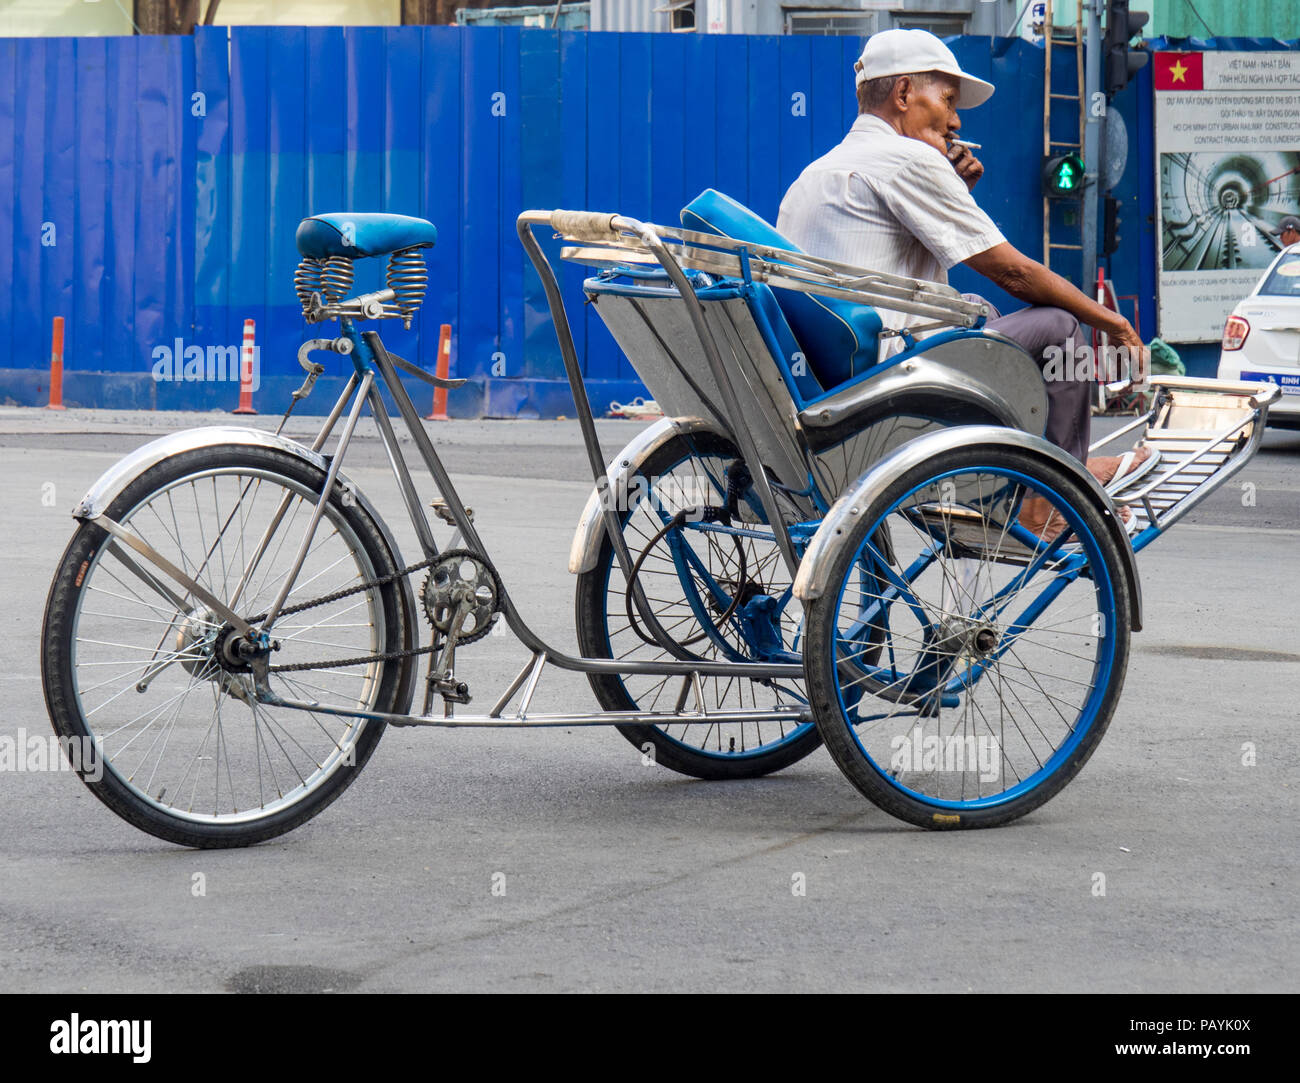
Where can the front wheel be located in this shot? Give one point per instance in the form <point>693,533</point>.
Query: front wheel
<point>166,728</point>
<point>1004,649</point>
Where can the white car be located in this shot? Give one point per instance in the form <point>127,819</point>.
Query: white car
<point>1261,339</point>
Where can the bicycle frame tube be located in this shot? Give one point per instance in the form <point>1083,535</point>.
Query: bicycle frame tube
<point>319,510</point>
<point>377,356</point>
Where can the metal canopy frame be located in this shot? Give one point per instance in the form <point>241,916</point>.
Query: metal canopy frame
<point>628,242</point>
<point>611,240</point>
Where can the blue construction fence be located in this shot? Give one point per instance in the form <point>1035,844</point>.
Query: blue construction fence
<point>150,187</point>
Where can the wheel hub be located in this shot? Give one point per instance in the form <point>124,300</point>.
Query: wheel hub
<point>984,641</point>
<point>233,652</point>
<point>196,640</point>
<point>955,636</point>
<point>218,653</point>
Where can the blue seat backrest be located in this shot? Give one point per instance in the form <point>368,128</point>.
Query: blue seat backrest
<point>838,338</point>
<point>785,345</point>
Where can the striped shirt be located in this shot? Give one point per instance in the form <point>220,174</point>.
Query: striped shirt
<point>885,202</point>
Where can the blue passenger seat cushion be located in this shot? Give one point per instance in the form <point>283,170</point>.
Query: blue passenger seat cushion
<point>804,376</point>
<point>356,234</point>
<point>838,338</point>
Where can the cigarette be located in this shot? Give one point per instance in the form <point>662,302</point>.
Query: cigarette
<point>964,143</point>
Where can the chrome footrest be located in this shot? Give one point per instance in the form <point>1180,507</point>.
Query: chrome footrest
<point>1205,431</point>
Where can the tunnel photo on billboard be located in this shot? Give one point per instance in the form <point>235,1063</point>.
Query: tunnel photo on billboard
<point>1221,210</point>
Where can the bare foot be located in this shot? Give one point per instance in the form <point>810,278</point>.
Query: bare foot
<point>1038,516</point>
<point>1103,467</point>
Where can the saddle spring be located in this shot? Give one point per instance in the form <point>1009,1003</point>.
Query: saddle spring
<point>336,278</point>
<point>408,278</point>
<point>306,280</point>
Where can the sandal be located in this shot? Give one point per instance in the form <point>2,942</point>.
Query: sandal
<point>1130,468</point>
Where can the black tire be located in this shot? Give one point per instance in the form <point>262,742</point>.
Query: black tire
<point>251,478</point>
<point>860,740</point>
<point>688,752</point>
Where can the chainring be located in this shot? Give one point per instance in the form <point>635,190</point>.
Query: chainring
<point>455,571</point>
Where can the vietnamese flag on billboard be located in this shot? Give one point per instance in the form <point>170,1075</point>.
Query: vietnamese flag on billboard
<point>1179,71</point>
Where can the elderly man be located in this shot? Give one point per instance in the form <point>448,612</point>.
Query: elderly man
<point>1289,230</point>
<point>894,197</point>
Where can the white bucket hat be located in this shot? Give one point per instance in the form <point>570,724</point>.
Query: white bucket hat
<point>904,52</point>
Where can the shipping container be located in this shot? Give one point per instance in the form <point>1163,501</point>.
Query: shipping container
<point>858,18</point>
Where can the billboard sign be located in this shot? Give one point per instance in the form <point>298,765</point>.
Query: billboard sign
<point>1228,171</point>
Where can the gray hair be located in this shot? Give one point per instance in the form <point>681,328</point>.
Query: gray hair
<point>873,93</point>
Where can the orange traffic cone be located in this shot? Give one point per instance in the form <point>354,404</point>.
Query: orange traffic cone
<point>56,367</point>
<point>246,373</point>
<point>441,368</point>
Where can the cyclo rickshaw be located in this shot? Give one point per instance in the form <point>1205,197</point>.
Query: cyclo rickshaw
<point>813,545</point>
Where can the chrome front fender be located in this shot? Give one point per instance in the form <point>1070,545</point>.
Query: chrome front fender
<point>833,534</point>
<point>123,472</point>
<point>118,476</point>
<point>585,549</point>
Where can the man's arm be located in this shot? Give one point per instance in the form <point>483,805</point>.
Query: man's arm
<point>1028,280</point>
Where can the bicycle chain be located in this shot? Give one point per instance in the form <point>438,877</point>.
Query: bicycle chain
<point>339,663</point>
<point>359,660</point>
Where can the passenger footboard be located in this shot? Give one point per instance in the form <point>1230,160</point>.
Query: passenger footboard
<point>1204,432</point>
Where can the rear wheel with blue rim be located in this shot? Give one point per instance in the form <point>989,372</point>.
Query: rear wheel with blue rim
<point>720,596</point>
<point>1004,650</point>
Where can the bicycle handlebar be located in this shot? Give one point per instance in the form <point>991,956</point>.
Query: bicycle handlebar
<point>585,225</point>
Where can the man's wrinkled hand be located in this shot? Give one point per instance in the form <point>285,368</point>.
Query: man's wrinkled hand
<point>1139,356</point>
<point>968,167</point>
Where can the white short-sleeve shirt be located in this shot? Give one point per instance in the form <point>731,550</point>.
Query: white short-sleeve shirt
<point>885,202</point>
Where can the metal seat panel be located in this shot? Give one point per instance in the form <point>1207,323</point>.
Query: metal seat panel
<point>655,333</point>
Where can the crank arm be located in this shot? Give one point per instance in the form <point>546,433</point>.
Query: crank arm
<point>443,679</point>
<point>154,557</point>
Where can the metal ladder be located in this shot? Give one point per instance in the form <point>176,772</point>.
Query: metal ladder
<point>1052,39</point>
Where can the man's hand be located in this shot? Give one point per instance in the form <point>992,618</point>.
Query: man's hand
<point>1139,357</point>
<point>968,167</point>
<point>1029,281</point>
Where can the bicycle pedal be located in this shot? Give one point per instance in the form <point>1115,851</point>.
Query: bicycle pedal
<point>451,690</point>
<point>443,512</point>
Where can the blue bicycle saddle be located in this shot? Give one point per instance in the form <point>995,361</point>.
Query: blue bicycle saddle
<point>356,235</point>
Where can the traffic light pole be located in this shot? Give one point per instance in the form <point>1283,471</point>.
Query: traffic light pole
<point>1093,133</point>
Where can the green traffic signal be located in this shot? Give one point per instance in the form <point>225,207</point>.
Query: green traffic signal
<point>1063,177</point>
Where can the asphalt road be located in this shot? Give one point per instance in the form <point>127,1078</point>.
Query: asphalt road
<point>625,877</point>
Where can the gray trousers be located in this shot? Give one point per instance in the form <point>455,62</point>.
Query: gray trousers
<point>1069,401</point>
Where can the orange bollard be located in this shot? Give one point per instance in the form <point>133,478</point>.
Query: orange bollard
<point>56,367</point>
<point>246,373</point>
<point>441,369</point>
